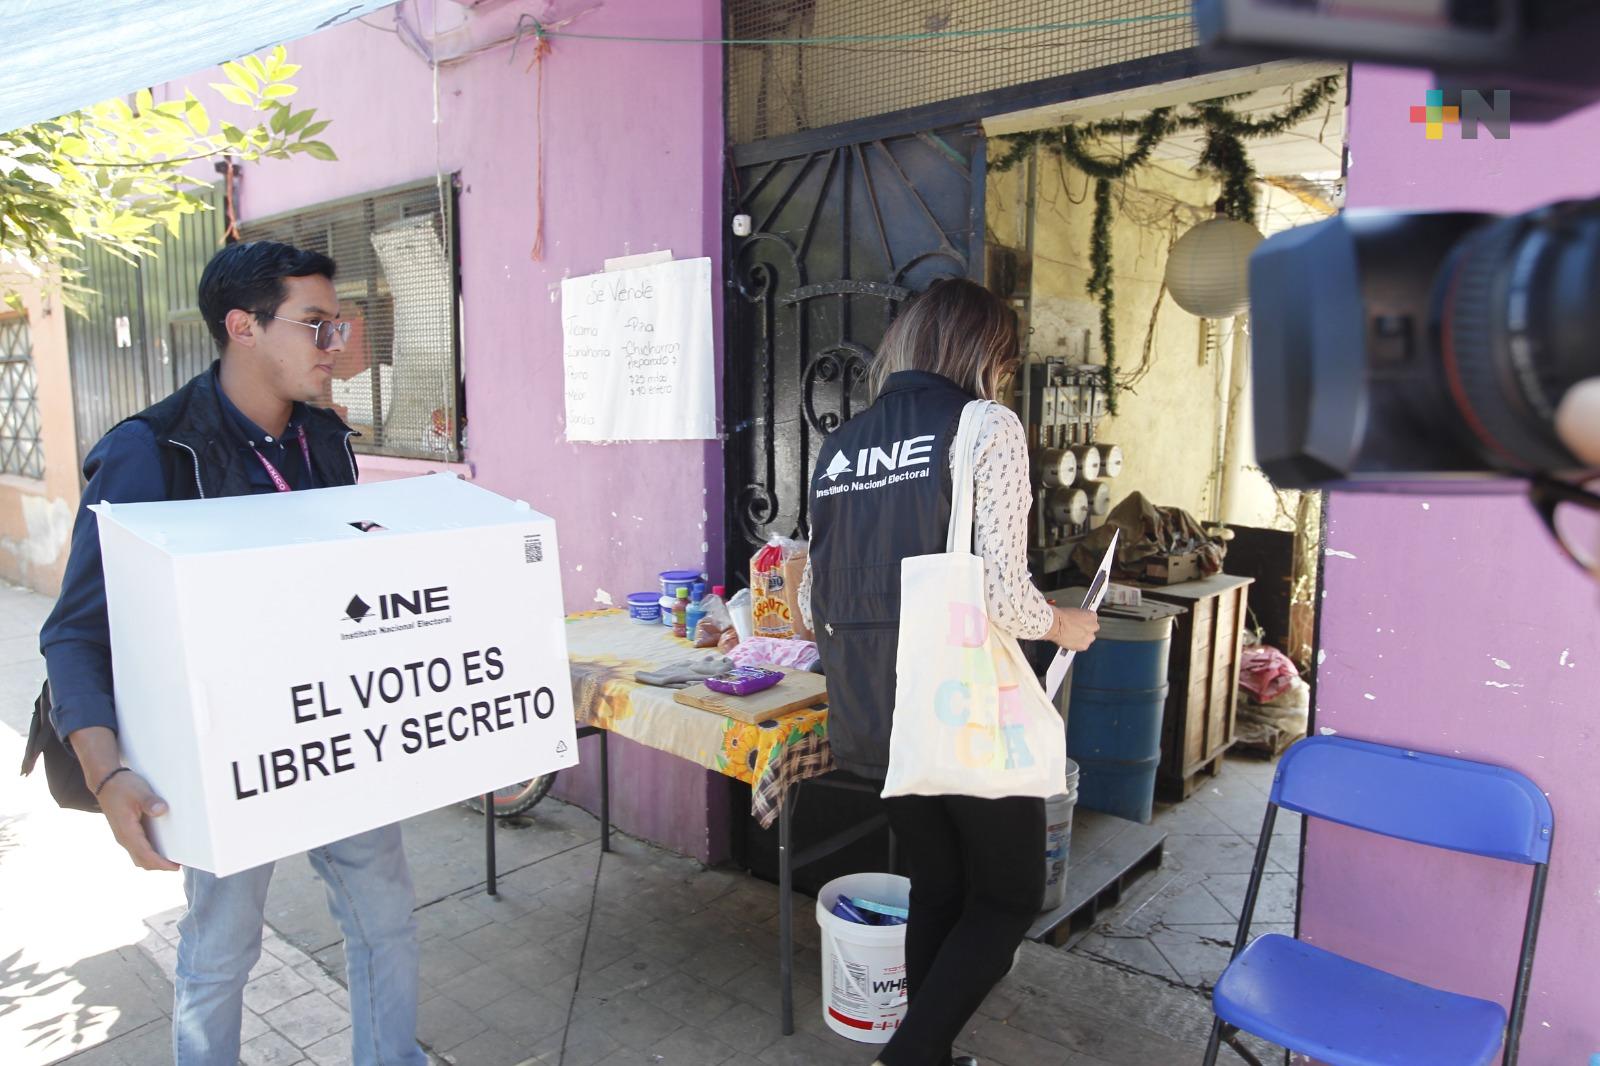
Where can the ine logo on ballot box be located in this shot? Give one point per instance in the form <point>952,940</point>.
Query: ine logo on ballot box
<point>295,668</point>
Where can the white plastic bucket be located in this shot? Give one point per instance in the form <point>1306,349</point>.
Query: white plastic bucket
<point>863,966</point>
<point>1058,840</point>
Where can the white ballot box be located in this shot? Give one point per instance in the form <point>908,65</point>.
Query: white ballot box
<point>293,668</point>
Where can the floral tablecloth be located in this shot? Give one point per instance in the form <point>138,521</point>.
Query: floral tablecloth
<point>606,649</point>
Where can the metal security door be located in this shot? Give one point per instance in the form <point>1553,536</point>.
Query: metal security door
<point>842,233</point>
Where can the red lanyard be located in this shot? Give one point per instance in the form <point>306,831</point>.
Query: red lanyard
<point>278,480</point>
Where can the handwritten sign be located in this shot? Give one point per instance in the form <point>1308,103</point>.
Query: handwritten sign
<point>638,355</point>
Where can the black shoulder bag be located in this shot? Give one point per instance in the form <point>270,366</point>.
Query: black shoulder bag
<point>62,771</point>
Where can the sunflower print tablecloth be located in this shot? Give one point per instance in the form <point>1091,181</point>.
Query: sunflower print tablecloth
<point>606,649</point>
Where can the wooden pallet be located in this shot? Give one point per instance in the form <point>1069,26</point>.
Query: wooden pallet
<point>1169,790</point>
<point>1108,855</point>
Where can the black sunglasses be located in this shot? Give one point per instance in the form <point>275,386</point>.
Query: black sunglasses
<point>1572,514</point>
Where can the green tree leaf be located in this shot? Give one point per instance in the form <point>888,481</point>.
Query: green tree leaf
<point>240,77</point>
<point>234,95</point>
<point>199,117</point>
<point>114,178</point>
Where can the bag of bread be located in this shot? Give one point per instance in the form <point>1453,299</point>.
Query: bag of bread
<point>772,609</point>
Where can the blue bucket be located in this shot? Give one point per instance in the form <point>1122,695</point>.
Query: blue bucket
<point>1119,693</point>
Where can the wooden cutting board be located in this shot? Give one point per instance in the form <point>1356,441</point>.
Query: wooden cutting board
<point>798,689</point>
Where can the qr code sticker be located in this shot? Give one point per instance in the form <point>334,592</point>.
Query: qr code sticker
<point>532,549</point>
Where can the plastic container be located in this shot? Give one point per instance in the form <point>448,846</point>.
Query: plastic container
<point>697,608</point>
<point>1119,690</point>
<point>739,613</point>
<point>1058,840</point>
<point>673,580</point>
<point>644,607</point>
<point>863,966</point>
<point>666,604</point>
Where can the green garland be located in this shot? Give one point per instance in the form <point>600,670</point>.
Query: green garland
<point>1224,158</point>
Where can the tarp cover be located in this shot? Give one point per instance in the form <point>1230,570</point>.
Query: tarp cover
<point>57,56</point>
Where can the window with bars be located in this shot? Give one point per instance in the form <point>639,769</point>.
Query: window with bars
<point>398,381</point>
<point>21,450</point>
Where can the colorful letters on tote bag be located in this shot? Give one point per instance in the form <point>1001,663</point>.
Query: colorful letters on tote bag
<point>970,717</point>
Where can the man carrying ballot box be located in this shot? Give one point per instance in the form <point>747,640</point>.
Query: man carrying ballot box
<point>244,426</point>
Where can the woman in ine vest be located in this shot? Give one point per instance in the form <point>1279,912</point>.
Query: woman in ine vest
<point>882,492</point>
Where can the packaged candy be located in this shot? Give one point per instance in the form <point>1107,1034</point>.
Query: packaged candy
<point>743,680</point>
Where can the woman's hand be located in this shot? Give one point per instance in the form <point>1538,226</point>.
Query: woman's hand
<point>1074,628</point>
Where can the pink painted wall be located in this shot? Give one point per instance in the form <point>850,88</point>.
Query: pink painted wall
<point>1455,626</point>
<point>632,151</point>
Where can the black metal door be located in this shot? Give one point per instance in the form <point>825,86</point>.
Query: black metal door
<point>842,233</point>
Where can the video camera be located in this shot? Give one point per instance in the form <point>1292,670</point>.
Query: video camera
<point>1398,347</point>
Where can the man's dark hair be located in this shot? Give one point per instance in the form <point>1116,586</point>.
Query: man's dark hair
<point>249,277</point>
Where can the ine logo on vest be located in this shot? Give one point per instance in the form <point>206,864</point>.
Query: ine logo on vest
<point>398,611</point>
<point>866,466</point>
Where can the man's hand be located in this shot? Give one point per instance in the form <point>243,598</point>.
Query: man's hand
<point>1074,628</point>
<point>126,799</point>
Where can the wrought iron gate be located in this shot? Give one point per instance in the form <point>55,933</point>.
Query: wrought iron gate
<point>842,233</point>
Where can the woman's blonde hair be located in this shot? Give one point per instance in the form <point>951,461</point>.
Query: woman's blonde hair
<point>957,329</point>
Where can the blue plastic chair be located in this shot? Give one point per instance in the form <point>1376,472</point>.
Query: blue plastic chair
<point>1337,1010</point>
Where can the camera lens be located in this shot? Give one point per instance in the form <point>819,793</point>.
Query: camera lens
<point>1517,320</point>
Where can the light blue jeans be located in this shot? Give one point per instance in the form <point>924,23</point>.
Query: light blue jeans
<point>219,940</point>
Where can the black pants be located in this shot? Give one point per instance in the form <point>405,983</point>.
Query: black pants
<point>977,879</point>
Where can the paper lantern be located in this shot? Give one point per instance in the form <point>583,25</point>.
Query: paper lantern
<point>1208,271</point>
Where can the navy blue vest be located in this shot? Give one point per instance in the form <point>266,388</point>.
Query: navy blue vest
<point>881,493</point>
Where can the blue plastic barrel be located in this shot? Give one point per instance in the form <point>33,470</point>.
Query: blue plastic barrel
<point>1119,691</point>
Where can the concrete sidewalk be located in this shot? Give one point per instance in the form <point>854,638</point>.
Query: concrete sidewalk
<point>644,957</point>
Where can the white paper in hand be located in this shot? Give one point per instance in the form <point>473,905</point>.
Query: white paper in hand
<point>1091,602</point>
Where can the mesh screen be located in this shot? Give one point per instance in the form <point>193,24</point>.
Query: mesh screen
<point>781,88</point>
<point>21,451</point>
<point>397,381</point>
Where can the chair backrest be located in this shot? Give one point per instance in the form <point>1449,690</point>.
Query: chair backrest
<point>1427,799</point>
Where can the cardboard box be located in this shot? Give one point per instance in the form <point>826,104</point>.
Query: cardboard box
<point>1172,569</point>
<point>1122,595</point>
<point>295,668</point>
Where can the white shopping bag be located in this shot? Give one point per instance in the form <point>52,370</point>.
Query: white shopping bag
<point>970,718</point>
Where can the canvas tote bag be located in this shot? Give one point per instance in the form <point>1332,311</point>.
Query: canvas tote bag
<point>970,718</point>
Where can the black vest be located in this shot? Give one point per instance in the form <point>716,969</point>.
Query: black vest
<point>881,493</point>
<point>201,453</point>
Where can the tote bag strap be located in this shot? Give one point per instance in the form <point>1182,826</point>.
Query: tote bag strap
<point>959,536</point>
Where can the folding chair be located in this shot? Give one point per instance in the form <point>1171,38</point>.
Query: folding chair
<point>1337,1010</point>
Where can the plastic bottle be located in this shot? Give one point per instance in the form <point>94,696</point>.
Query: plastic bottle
<point>697,608</point>
<point>680,615</point>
